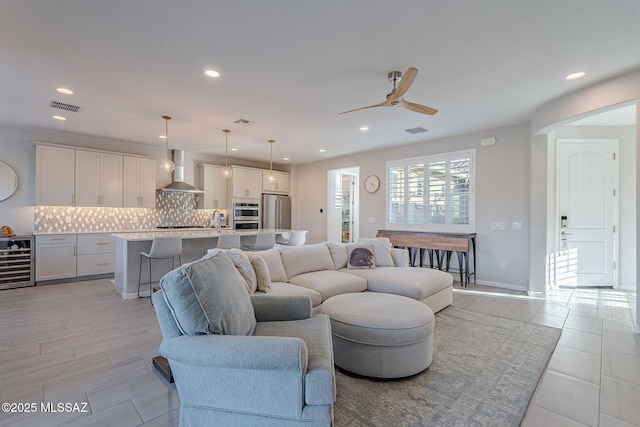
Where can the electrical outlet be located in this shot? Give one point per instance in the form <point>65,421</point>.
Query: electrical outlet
<point>503,264</point>
<point>516,226</point>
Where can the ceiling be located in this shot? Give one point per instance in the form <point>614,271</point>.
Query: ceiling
<point>290,67</point>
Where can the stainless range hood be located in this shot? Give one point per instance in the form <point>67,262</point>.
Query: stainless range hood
<point>177,176</point>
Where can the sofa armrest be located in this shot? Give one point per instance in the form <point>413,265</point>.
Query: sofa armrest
<point>400,257</point>
<point>238,352</point>
<point>257,375</point>
<point>274,308</point>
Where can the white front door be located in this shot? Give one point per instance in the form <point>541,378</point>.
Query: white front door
<point>587,207</point>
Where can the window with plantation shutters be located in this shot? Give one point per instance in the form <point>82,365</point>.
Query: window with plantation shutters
<point>432,193</point>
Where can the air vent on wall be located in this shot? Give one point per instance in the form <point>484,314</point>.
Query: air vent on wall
<point>243,122</point>
<point>63,106</point>
<point>413,131</point>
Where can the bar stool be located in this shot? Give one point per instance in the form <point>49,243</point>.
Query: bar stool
<point>161,248</point>
<point>229,241</point>
<point>263,241</point>
<point>296,238</point>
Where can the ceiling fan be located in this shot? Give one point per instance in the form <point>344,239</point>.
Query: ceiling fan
<point>395,98</point>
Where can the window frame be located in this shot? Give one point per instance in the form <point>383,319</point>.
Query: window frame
<point>410,205</point>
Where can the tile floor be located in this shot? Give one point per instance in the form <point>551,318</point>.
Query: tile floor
<point>81,343</point>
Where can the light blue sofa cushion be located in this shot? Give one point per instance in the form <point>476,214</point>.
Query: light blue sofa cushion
<point>209,296</point>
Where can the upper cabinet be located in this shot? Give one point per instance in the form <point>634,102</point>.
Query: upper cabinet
<point>55,172</point>
<point>246,182</point>
<point>214,186</point>
<point>98,179</point>
<point>139,189</point>
<point>72,177</point>
<point>279,183</point>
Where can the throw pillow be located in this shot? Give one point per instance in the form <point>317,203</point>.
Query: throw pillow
<point>209,296</point>
<point>338,254</point>
<point>381,250</point>
<point>263,278</point>
<point>360,256</point>
<point>243,264</point>
<point>274,262</point>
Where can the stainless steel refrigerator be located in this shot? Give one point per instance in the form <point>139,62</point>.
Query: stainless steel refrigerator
<point>276,211</point>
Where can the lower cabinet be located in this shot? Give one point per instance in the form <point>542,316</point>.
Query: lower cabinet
<point>96,254</point>
<point>55,256</point>
<point>63,256</point>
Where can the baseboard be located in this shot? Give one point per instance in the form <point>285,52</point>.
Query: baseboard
<point>502,285</point>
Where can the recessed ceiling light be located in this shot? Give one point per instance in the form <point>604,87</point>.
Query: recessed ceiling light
<point>162,136</point>
<point>574,76</point>
<point>234,149</point>
<point>285,158</point>
<point>363,128</point>
<point>322,150</point>
<point>64,90</point>
<point>62,118</point>
<point>212,73</point>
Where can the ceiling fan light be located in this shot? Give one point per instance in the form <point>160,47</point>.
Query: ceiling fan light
<point>212,73</point>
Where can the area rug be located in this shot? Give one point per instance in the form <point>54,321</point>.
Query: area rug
<point>484,372</point>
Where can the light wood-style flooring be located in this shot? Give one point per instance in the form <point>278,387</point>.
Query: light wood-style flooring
<point>82,344</point>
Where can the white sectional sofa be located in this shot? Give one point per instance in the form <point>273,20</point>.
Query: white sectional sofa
<point>322,270</point>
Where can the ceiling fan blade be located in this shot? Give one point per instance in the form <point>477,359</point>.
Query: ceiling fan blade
<point>405,83</point>
<point>382,104</point>
<point>418,108</point>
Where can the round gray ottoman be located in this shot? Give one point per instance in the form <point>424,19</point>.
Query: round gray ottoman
<point>380,335</point>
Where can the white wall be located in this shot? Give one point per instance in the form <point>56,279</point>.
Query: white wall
<point>501,196</point>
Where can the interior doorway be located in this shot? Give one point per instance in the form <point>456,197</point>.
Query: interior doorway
<point>343,205</point>
<point>591,201</point>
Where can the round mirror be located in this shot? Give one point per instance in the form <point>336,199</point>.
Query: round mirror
<point>8,181</point>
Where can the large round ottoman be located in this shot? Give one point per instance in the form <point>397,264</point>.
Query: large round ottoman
<point>380,335</point>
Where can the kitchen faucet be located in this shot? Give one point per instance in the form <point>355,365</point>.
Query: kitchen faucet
<point>215,220</point>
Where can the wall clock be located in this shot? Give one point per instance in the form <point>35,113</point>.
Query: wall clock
<point>372,183</point>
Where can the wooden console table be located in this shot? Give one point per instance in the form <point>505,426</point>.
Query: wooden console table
<point>464,244</point>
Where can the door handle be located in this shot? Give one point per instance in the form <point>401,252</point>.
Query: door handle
<point>564,233</point>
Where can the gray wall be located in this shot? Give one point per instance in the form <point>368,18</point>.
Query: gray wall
<point>501,195</point>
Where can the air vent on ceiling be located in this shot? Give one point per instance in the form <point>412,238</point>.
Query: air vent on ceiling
<point>413,131</point>
<point>243,122</point>
<point>63,106</point>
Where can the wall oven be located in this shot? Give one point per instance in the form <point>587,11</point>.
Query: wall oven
<point>246,215</point>
<point>246,225</point>
<point>246,211</point>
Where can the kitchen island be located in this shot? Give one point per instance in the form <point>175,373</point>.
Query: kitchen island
<point>195,242</point>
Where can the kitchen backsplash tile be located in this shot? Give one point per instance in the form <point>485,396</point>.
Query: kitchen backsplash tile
<point>171,209</point>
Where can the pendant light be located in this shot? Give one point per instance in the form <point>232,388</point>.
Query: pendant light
<point>167,165</point>
<point>272,177</point>
<point>226,171</point>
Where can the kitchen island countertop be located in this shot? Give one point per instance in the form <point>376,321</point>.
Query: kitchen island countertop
<point>195,243</point>
<point>193,233</point>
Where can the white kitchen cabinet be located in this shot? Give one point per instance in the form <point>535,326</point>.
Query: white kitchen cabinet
<point>279,184</point>
<point>96,254</point>
<point>98,179</point>
<point>214,187</point>
<point>55,256</point>
<point>246,182</point>
<point>55,176</point>
<point>139,184</point>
